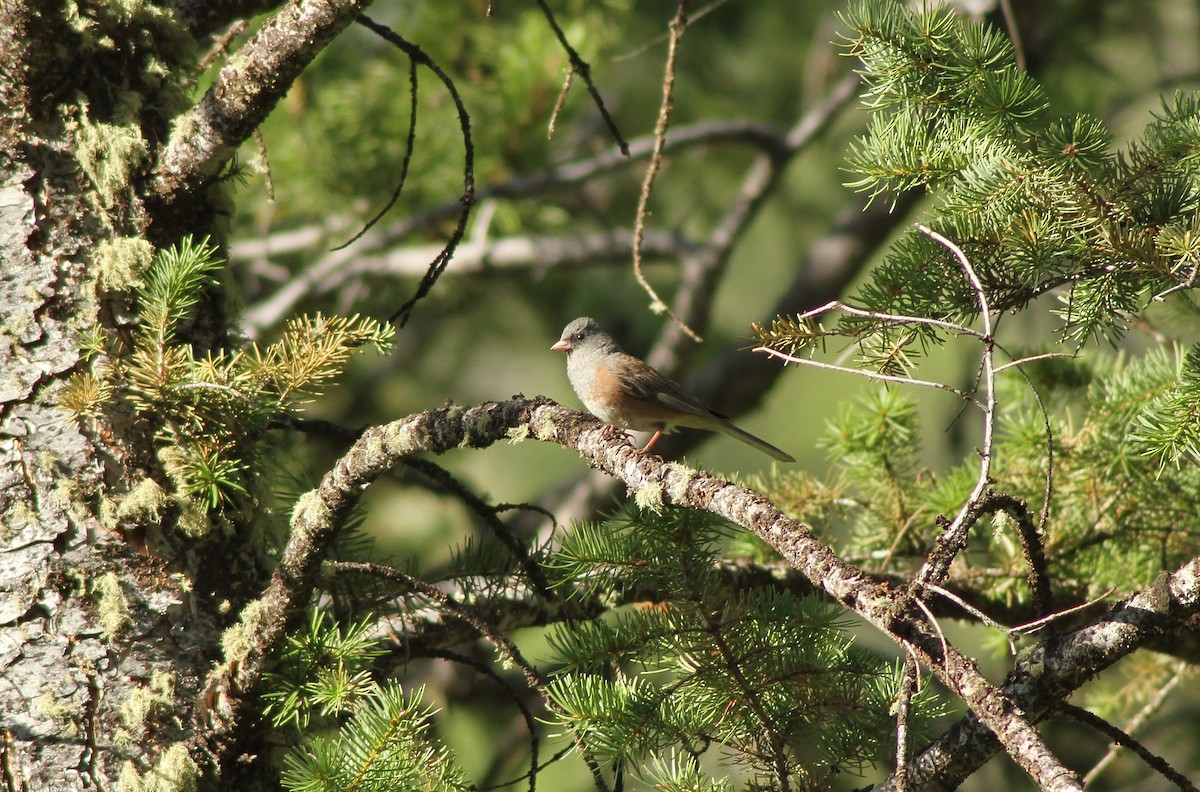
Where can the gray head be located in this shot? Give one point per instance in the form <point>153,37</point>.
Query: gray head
<point>584,333</point>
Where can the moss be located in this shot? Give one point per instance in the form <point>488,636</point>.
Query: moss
<point>112,609</point>
<point>120,263</point>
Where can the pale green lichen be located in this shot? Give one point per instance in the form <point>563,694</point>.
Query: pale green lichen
<point>649,496</point>
<point>481,427</point>
<point>519,433</point>
<point>112,609</point>
<point>108,154</point>
<point>235,642</point>
<point>681,476</point>
<point>175,771</point>
<point>143,505</point>
<point>120,263</point>
<point>59,710</point>
<point>401,437</point>
<point>193,517</point>
<point>310,509</point>
<point>145,701</point>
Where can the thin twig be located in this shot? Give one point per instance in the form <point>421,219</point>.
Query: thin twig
<point>219,49</point>
<point>1032,358</point>
<point>585,71</point>
<point>677,26</point>
<point>467,199</point>
<point>1014,33</point>
<point>268,183</point>
<point>1181,670</point>
<point>903,706</point>
<point>937,564</point>
<point>491,673</point>
<point>410,144</point>
<point>1125,740</point>
<point>489,515</point>
<point>838,305</point>
<point>1038,624</point>
<point>976,612</point>
<point>560,102</point>
<point>868,374</point>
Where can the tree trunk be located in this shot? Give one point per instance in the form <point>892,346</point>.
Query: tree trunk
<point>106,629</point>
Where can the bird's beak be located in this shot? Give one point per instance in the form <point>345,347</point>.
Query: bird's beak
<point>562,346</point>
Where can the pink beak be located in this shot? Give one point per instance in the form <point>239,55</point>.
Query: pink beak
<point>562,346</point>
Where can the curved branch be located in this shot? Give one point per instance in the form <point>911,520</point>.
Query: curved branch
<point>321,513</point>
<point>1058,667</point>
<point>256,77</point>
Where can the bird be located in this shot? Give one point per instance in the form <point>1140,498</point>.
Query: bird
<point>629,393</point>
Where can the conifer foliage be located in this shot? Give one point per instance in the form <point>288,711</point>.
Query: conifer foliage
<point>1089,484</point>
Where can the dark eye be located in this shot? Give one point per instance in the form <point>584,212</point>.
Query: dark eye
<point>578,336</point>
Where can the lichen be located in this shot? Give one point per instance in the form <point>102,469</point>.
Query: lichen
<point>235,642</point>
<point>147,700</point>
<point>193,519</point>
<point>120,263</point>
<point>175,771</point>
<point>143,505</point>
<point>58,710</point>
<point>108,154</point>
<point>310,508</point>
<point>681,477</point>
<point>649,496</point>
<point>112,609</point>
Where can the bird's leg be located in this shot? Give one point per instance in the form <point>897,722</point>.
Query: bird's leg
<point>653,440</point>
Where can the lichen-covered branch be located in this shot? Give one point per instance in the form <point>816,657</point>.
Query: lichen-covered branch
<point>257,76</point>
<point>655,484</point>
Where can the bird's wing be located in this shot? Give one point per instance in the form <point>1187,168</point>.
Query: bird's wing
<point>641,380</point>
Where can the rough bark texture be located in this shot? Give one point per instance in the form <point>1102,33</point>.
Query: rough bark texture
<point>109,621</point>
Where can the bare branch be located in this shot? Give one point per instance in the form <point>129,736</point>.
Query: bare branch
<point>334,271</point>
<point>954,538</point>
<point>320,515</point>
<point>581,67</point>
<point>677,26</point>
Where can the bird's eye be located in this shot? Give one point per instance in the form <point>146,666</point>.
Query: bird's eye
<point>577,337</point>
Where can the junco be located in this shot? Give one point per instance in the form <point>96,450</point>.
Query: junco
<point>624,391</point>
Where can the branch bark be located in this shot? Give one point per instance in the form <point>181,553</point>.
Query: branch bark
<point>255,78</point>
<point>1058,667</point>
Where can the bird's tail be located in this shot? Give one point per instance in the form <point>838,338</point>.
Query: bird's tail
<point>751,440</point>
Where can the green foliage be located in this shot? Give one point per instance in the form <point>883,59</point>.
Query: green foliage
<point>210,411</point>
<point>1036,202</point>
<point>876,444</point>
<point>323,671</point>
<point>763,675</point>
<point>383,746</point>
<point>1123,496</point>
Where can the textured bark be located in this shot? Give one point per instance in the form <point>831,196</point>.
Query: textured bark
<point>110,620</point>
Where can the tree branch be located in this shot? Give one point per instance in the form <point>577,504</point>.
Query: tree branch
<point>1056,668</point>
<point>257,76</point>
<point>320,514</point>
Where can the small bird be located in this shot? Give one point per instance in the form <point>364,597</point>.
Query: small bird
<point>626,392</point>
